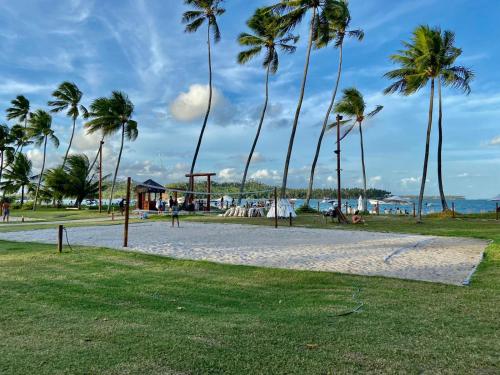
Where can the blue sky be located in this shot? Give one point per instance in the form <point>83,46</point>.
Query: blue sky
<point>139,47</point>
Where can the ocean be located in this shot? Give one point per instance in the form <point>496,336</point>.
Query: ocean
<point>465,206</point>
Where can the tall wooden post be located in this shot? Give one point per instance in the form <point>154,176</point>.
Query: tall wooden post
<point>276,207</point>
<point>414,210</point>
<point>291,219</point>
<point>318,206</point>
<point>496,210</point>
<point>453,209</point>
<point>208,190</point>
<point>100,176</point>
<point>339,195</point>
<point>127,212</point>
<point>60,238</point>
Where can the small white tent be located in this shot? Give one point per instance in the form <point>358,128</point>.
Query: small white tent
<point>284,209</point>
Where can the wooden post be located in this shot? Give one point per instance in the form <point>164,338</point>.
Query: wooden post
<point>208,188</point>
<point>290,219</point>
<point>339,196</point>
<point>127,211</point>
<point>496,210</point>
<point>60,238</point>
<point>414,210</point>
<point>100,176</point>
<point>377,209</point>
<point>346,208</point>
<point>453,209</point>
<point>276,207</point>
<point>318,206</point>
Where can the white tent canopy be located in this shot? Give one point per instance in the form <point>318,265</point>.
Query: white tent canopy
<point>284,209</point>
<point>361,204</point>
<point>395,199</point>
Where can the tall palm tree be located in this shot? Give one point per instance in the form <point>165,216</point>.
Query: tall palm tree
<point>40,130</point>
<point>205,10</point>
<point>353,105</point>
<point>112,115</point>
<point>6,150</point>
<point>419,63</point>
<point>20,110</point>
<point>67,97</point>
<point>292,13</point>
<point>455,76</point>
<point>18,176</point>
<point>19,135</point>
<point>338,21</point>
<point>268,37</point>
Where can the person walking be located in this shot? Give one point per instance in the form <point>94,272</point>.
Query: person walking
<point>5,210</point>
<point>175,213</point>
<point>122,206</point>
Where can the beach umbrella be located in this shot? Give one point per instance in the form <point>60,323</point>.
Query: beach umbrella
<point>395,199</point>
<point>361,205</point>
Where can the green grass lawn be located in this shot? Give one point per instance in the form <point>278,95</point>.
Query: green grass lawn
<point>56,214</point>
<point>104,311</point>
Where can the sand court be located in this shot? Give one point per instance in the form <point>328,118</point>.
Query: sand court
<point>437,259</point>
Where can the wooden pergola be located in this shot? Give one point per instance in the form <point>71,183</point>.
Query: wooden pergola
<point>144,191</point>
<point>208,176</point>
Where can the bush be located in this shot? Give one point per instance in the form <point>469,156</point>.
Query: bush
<point>306,210</point>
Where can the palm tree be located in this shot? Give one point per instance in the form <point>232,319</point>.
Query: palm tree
<point>455,76</point>
<point>68,97</point>
<point>205,10</point>
<point>112,115</point>
<point>40,130</point>
<point>339,22</point>
<point>293,12</point>
<point>353,105</point>
<point>419,63</point>
<point>19,110</point>
<point>269,37</point>
<point>18,176</point>
<point>19,137</point>
<point>73,179</point>
<point>6,150</point>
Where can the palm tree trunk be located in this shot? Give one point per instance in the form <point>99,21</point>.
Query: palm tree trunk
<point>70,142</point>
<point>259,128</point>
<point>116,170</point>
<point>323,129</point>
<point>22,195</point>
<point>200,138</point>
<point>365,198</point>
<point>426,158</point>
<point>299,106</point>
<point>41,173</point>
<point>96,156</point>
<point>440,151</point>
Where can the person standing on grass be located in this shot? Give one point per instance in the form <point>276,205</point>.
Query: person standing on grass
<point>5,210</point>
<point>170,203</point>
<point>175,213</point>
<point>122,206</point>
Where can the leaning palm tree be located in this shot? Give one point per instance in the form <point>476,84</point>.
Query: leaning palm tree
<point>6,150</point>
<point>419,63</point>
<point>205,10</point>
<point>268,37</point>
<point>68,97</point>
<point>338,21</point>
<point>18,176</point>
<point>109,116</point>
<point>450,75</point>
<point>19,110</point>
<point>353,105</point>
<point>40,130</point>
<point>292,13</point>
<point>19,137</point>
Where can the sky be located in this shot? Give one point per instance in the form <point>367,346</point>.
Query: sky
<point>140,47</point>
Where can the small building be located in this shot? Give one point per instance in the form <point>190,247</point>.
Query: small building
<point>147,194</point>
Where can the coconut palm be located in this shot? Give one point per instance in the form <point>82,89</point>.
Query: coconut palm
<point>353,105</point>
<point>6,150</point>
<point>455,76</point>
<point>72,180</point>
<point>67,97</point>
<point>205,11</point>
<point>19,137</point>
<point>18,176</point>
<point>109,116</point>
<point>338,20</point>
<point>268,37</point>
<point>40,130</point>
<point>292,13</point>
<point>20,110</point>
<point>419,63</point>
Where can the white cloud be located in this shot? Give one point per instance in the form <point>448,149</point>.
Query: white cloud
<point>409,181</point>
<point>13,87</point>
<point>265,174</point>
<point>495,141</point>
<point>373,181</point>
<point>228,175</point>
<point>465,174</point>
<point>192,105</point>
